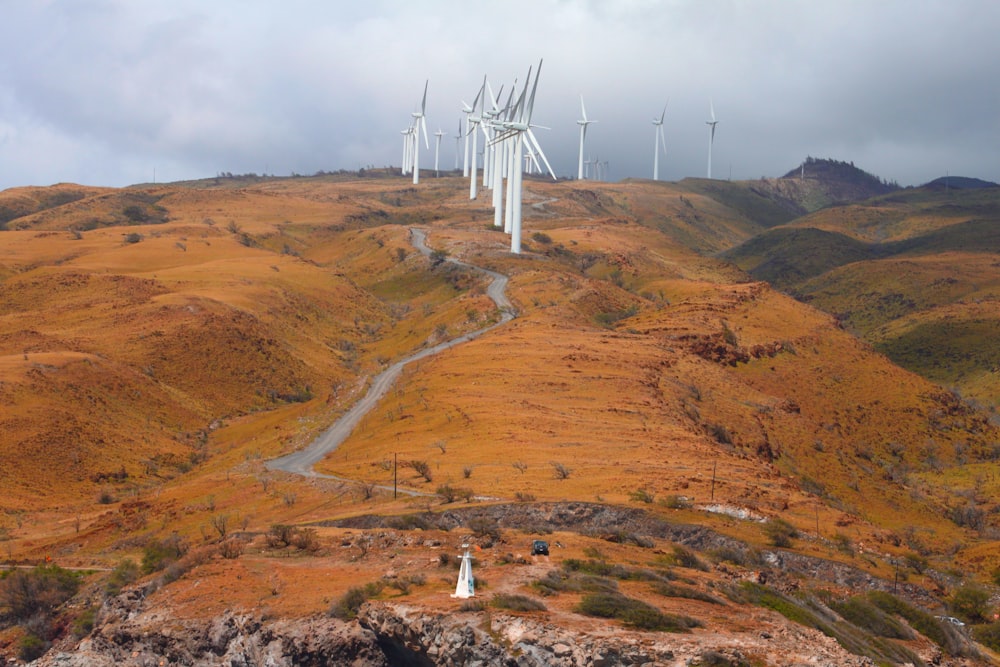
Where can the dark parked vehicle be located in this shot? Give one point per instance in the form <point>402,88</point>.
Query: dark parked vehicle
<point>539,548</point>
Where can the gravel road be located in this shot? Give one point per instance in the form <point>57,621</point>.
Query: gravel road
<point>302,461</point>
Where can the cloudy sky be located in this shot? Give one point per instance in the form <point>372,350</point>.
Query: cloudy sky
<point>111,92</point>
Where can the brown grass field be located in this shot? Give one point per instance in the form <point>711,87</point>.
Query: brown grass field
<point>149,367</point>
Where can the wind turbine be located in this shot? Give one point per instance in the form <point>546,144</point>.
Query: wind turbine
<point>458,139</point>
<point>437,150</point>
<point>518,130</point>
<point>474,122</point>
<point>711,135</point>
<point>407,148</point>
<point>659,141</point>
<point>420,123</point>
<point>583,123</point>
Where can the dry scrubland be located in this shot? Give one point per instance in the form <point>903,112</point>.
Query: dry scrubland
<point>159,343</point>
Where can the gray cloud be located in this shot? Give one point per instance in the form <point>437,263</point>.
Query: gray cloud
<point>106,91</point>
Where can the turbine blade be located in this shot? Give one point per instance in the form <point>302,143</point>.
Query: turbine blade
<point>664,114</point>
<point>534,88</point>
<point>711,108</point>
<point>663,142</point>
<point>423,104</point>
<point>583,109</point>
<point>423,125</point>
<point>538,149</point>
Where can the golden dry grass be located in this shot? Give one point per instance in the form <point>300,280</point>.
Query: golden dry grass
<point>241,327</point>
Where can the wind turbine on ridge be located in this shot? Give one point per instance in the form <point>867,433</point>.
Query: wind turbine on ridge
<point>518,130</point>
<point>474,121</point>
<point>583,123</point>
<point>420,123</point>
<point>711,135</point>
<point>659,141</point>
<point>437,150</point>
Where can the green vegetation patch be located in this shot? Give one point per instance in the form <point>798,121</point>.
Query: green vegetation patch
<point>634,613</point>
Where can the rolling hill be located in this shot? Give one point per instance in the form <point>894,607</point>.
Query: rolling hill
<point>651,409</point>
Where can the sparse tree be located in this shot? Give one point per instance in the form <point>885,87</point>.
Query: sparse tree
<point>220,522</point>
<point>561,471</point>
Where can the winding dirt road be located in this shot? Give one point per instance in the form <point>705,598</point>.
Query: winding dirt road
<point>302,461</point>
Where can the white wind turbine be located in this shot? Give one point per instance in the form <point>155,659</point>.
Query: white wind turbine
<point>518,130</point>
<point>658,142</point>
<point>583,123</point>
<point>711,135</point>
<point>437,150</point>
<point>499,149</point>
<point>474,121</point>
<point>420,123</point>
<point>458,140</point>
<point>407,147</point>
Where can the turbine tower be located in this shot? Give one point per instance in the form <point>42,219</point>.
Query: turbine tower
<point>518,130</point>
<point>420,123</point>
<point>474,121</point>
<point>658,142</point>
<point>458,140</point>
<point>437,150</point>
<point>711,135</point>
<point>583,123</point>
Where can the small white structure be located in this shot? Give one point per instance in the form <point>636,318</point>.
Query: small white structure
<point>466,586</point>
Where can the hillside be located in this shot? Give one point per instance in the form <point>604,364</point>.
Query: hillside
<point>921,260</point>
<point>649,409</point>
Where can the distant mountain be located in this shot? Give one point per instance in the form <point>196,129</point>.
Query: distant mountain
<point>958,183</point>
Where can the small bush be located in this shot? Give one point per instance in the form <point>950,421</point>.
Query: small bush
<point>123,574</point>
<point>780,532</point>
<point>867,615</point>
<point>684,557</point>
<point>31,647</point>
<point>37,592</point>
<point>83,624</point>
<point>970,602</point>
<point>715,659</point>
<point>634,613</point>
<point>641,496</point>
<point>514,602</point>
<point>158,554</point>
<point>347,606</point>
<point>676,502</point>
<point>670,590</point>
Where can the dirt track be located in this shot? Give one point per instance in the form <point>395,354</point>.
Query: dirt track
<point>302,461</point>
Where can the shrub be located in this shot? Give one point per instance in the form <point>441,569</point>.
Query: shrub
<point>122,575</point>
<point>31,647</point>
<point>133,237</point>
<point>634,613</point>
<point>671,590</point>
<point>37,592</point>
<point>684,557</point>
<point>865,614</point>
<point>715,659</point>
<point>780,532</point>
<point>561,471</point>
<point>306,539</point>
<point>970,602</point>
<point>347,605</point>
<point>515,602</point>
<point>641,496</point>
<point>83,624</point>
<point>158,554</point>
<point>943,634</point>
<point>676,502</point>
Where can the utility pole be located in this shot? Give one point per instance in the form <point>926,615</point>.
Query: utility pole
<point>714,467</point>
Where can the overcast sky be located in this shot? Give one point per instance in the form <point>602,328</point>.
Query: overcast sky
<point>109,92</point>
